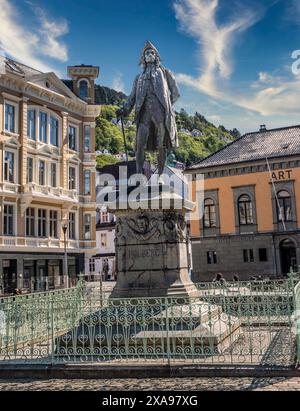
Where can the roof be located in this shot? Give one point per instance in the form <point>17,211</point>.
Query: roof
<point>20,68</point>
<point>278,142</point>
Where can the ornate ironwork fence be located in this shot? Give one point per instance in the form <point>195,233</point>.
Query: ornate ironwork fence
<point>232,323</point>
<point>297,319</point>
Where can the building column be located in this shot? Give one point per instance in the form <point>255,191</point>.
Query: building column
<point>23,143</point>
<point>22,166</point>
<point>64,153</point>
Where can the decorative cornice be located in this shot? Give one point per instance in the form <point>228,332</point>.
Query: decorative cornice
<point>19,85</point>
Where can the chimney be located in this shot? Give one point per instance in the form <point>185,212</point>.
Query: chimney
<point>263,128</point>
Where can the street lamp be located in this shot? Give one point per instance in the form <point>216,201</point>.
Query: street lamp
<point>65,270</point>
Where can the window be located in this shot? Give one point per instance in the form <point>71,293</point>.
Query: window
<point>248,256</point>
<point>29,170</point>
<point>10,118</point>
<point>263,255</point>
<point>53,175</point>
<point>72,178</point>
<point>72,226</point>
<point>30,222</point>
<point>53,224</point>
<point>245,210</point>
<point>83,89</point>
<point>31,124</point>
<point>92,265</point>
<point>87,226</point>
<point>42,169</point>
<point>72,138</point>
<point>103,240</point>
<point>211,257</point>
<point>53,131</point>
<point>8,220</point>
<point>87,137</point>
<point>210,219</point>
<point>104,217</point>
<point>43,127</point>
<point>87,182</point>
<point>284,211</point>
<point>42,223</point>
<point>9,167</point>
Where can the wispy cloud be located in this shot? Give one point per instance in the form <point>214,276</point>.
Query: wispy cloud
<point>27,44</point>
<point>198,19</point>
<point>269,95</point>
<point>118,83</point>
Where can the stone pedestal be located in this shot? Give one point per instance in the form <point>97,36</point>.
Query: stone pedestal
<point>152,253</point>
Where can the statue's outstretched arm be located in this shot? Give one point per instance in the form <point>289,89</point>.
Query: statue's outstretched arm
<point>129,104</point>
<point>172,86</point>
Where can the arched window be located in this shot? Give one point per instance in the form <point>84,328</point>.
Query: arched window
<point>210,216</point>
<point>83,89</point>
<point>284,206</point>
<point>245,210</point>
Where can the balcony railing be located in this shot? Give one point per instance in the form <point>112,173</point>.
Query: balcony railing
<point>38,242</point>
<point>57,192</point>
<point>9,187</point>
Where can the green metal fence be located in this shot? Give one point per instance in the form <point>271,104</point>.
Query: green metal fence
<point>232,323</point>
<point>297,319</point>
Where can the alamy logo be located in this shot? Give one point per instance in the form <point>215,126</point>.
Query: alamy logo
<point>166,191</point>
<point>296,64</point>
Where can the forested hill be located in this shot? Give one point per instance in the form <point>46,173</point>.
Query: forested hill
<point>105,95</point>
<point>198,137</point>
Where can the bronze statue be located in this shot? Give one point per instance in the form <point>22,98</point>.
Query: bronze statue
<point>153,94</point>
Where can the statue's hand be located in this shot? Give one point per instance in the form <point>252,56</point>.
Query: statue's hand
<point>121,112</point>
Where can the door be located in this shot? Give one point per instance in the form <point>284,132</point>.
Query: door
<point>9,276</point>
<point>288,256</point>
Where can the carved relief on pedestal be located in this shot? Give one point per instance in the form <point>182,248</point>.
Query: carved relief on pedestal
<point>141,227</point>
<point>170,227</point>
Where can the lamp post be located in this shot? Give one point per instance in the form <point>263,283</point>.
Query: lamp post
<point>65,270</point>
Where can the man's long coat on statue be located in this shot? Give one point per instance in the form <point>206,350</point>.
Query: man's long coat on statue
<point>166,91</point>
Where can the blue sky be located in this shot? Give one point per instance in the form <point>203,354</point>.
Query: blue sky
<point>232,58</point>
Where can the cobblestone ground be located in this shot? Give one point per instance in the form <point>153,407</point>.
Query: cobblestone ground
<point>176,384</point>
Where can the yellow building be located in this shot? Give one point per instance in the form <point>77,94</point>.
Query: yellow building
<point>47,174</point>
<point>250,224</point>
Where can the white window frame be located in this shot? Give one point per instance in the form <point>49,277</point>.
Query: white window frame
<point>16,119</point>
<point>76,225</point>
<point>49,113</point>
<point>50,174</point>
<point>15,217</point>
<point>16,161</point>
<point>85,214</point>
<point>76,127</point>
<point>76,176</point>
<point>33,170</point>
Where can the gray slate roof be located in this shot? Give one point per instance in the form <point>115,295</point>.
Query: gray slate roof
<point>280,142</point>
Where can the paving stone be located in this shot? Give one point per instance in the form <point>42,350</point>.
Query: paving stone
<point>174,384</point>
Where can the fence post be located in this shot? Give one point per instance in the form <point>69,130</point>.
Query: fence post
<point>52,331</point>
<point>167,331</point>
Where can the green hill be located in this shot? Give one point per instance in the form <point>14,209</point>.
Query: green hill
<point>198,138</point>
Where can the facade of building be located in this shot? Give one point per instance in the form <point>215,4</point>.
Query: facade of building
<point>250,224</point>
<point>47,176</point>
<point>104,262</point>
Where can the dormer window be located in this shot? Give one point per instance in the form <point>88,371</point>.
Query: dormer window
<point>83,89</point>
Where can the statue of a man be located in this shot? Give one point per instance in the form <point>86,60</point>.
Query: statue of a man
<point>153,94</point>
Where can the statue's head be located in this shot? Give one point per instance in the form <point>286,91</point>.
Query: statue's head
<point>149,55</point>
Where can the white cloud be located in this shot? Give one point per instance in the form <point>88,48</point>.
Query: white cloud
<point>118,83</point>
<point>269,95</point>
<point>27,44</point>
<point>198,19</point>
